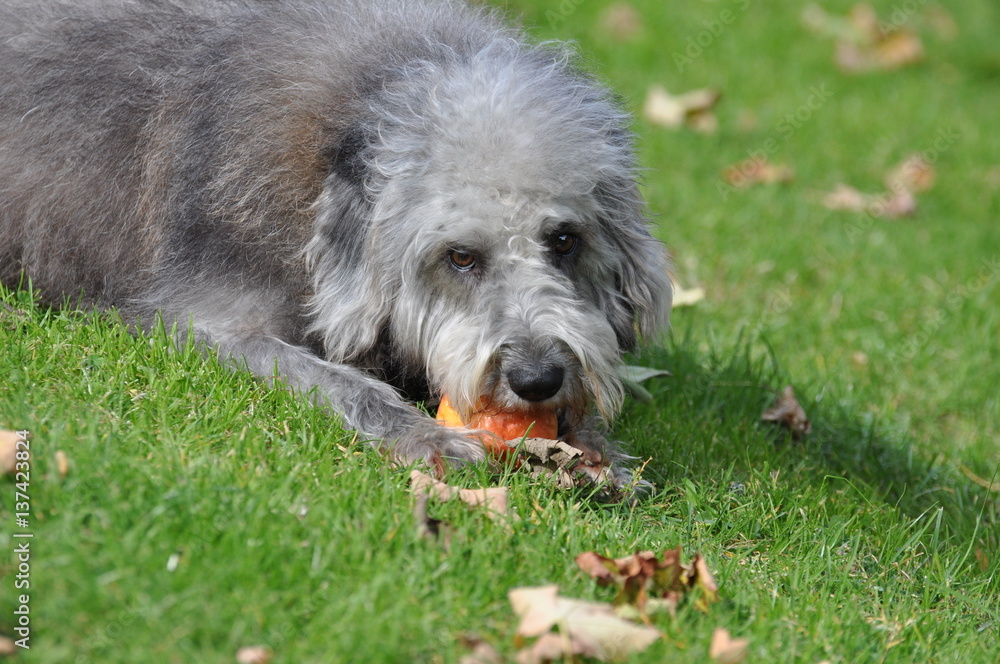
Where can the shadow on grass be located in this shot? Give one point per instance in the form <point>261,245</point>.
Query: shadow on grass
<point>705,420</point>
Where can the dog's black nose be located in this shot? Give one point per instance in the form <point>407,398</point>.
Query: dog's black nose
<point>535,383</point>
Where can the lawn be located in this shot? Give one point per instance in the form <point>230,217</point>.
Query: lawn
<point>203,511</point>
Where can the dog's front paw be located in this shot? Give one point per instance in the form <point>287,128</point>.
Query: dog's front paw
<point>604,465</point>
<point>436,446</point>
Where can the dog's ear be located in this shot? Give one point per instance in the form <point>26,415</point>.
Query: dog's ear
<point>640,305</point>
<point>350,304</point>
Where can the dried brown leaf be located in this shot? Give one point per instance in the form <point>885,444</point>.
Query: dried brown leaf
<point>864,42</point>
<point>889,205</point>
<point>894,205</point>
<point>846,197</point>
<point>914,174</point>
<point>898,49</point>
<point>8,451</point>
<point>725,649</point>
<point>581,624</point>
<point>643,577</point>
<point>852,58</point>
<point>895,51</point>
<point>492,499</point>
<point>621,21</point>
<point>567,467</point>
<point>254,655</point>
<point>788,413</point>
<point>553,647</point>
<point>675,111</point>
<point>429,527</point>
<point>482,653</point>
<point>685,297</point>
<point>756,170</point>
<point>699,576</point>
<point>819,21</point>
<point>62,463</point>
<point>864,21</point>
<point>603,570</point>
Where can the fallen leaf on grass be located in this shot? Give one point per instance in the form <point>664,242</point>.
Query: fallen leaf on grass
<point>491,499</point>
<point>725,649</point>
<point>685,297</point>
<point>589,629</point>
<point>554,459</point>
<point>692,109</point>
<point>898,49</point>
<point>788,413</point>
<point>893,51</point>
<point>569,468</point>
<point>650,583</point>
<point>62,464</point>
<point>863,44</point>
<point>482,652</point>
<point>552,647</point>
<point>756,170</point>
<point>622,21</point>
<point>914,174</point>
<point>888,205</point>
<point>254,655</point>
<point>428,527</point>
<point>8,451</point>
<point>911,176</point>
<point>846,197</point>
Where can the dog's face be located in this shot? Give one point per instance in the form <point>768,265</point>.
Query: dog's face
<point>505,250</point>
<point>501,299</point>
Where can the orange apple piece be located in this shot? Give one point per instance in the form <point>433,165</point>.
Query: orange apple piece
<point>542,422</point>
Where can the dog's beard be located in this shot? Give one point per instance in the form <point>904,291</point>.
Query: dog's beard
<point>467,354</point>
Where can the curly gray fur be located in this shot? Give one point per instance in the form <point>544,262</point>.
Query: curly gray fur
<point>293,178</point>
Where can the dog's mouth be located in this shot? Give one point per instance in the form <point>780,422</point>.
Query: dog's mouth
<point>513,420</point>
<point>514,387</point>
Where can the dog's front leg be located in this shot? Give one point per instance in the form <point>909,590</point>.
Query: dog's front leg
<point>366,404</point>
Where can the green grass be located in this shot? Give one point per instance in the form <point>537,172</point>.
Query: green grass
<point>204,511</point>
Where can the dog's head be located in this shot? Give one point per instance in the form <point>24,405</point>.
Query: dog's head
<point>485,220</point>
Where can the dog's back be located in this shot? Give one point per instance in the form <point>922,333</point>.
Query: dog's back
<point>142,138</point>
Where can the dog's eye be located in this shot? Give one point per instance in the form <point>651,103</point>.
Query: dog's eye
<point>564,244</point>
<point>462,260</point>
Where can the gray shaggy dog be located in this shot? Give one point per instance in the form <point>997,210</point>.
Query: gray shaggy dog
<point>382,201</point>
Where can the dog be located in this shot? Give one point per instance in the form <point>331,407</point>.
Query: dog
<point>378,201</point>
